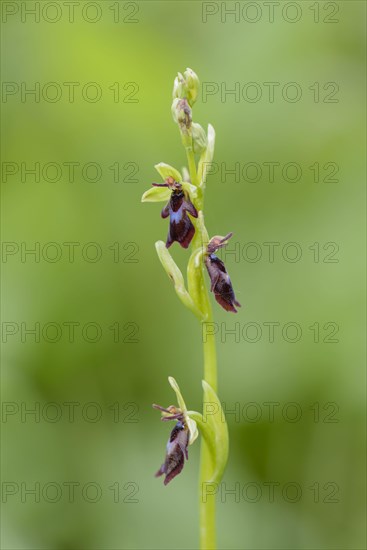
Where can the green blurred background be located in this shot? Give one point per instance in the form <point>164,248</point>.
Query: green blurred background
<point>321,453</point>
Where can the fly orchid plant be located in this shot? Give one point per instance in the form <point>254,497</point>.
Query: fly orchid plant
<point>184,195</point>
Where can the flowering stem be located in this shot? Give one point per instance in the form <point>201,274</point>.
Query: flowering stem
<point>185,193</point>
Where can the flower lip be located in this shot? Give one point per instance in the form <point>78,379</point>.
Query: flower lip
<point>221,284</point>
<point>176,453</point>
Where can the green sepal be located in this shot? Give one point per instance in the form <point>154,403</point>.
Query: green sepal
<point>166,171</point>
<point>156,194</point>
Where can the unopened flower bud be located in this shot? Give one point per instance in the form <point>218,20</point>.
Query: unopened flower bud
<point>192,86</point>
<point>181,113</point>
<point>178,87</point>
<point>186,86</point>
<point>174,109</point>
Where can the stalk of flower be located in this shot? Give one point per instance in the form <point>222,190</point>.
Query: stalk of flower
<point>184,195</point>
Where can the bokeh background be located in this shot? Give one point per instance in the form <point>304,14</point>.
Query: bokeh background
<point>312,450</point>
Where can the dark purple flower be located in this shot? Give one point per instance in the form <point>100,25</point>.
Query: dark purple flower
<point>181,228</point>
<point>176,450</point>
<point>221,284</point>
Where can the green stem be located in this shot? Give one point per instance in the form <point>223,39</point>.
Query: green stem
<point>191,162</point>
<point>207,505</point>
<point>210,353</point>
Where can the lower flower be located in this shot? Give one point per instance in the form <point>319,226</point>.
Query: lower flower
<point>183,434</point>
<point>176,450</point>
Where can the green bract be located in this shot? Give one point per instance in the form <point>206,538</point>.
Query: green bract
<point>213,428</point>
<point>215,418</point>
<point>195,277</point>
<point>176,277</point>
<point>199,139</point>
<point>207,156</point>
